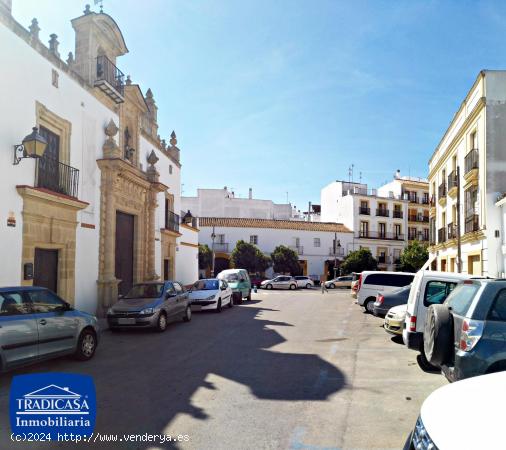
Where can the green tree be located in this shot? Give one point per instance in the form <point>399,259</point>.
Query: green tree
<point>358,261</point>
<point>414,256</point>
<point>205,257</point>
<point>248,256</point>
<point>285,260</point>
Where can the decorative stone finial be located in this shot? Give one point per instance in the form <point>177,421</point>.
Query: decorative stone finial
<point>111,129</point>
<point>34,29</point>
<point>164,144</point>
<point>152,158</point>
<point>128,80</point>
<point>152,173</point>
<point>173,140</point>
<point>53,45</point>
<point>87,10</point>
<point>149,94</point>
<point>110,148</point>
<point>70,59</point>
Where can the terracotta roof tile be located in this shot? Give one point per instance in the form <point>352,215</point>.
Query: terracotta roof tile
<point>272,223</point>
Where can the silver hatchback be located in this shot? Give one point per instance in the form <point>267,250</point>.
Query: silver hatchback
<point>151,304</point>
<point>36,324</point>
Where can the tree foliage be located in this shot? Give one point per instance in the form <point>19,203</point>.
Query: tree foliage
<point>358,261</point>
<point>285,260</point>
<point>205,257</point>
<point>414,256</point>
<point>248,256</point>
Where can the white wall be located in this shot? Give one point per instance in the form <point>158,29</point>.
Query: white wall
<point>187,256</point>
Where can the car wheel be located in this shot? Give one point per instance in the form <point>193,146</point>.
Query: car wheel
<point>187,314</point>
<point>218,306</point>
<point>308,286</point>
<point>231,302</point>
<point>332,286</point>
<point>268,286</point>
<point>86,345</point>
<point>161,324</point>
<point>424,363</point>
<point>369,305</point>
<point>292,287</point>
<point>438,335</point>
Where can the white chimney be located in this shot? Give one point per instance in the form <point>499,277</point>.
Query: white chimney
<point>250,195</point>
<point>398,174</point>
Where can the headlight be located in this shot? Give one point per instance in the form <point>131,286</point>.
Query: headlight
<point>421,439</point>
<point>147,311</point>
<point>211,297</point>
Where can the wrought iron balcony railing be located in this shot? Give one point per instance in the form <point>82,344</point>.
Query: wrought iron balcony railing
<point>472,223</point>
<point>382,212</point>
<point>57,177</point>
<point>110,79</point>
<point>396,214</point>
<point>452,231</point>
<point>452,180</point>
<point>442,190</point>
<point>471,160</point>
<point>172,221</point>
<point>220,247</point>
<point>339,251</point>
<point>363,210</point>
<point>441,235</point>
<point>380,235</point>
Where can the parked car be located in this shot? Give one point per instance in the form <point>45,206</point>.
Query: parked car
<point>304,282</point>
<point>255,280</point>
<point>394,320</point>
<point>340,282</point>
<point>151,304</point>
<point>388,300</point>
<point>466,336</point>
<point>210,293</point>
<point>429,287</point>
<point>280,282</point>
<point>440,424</point>
<point>370,283</point>
<point>36,324</point>
<point>239,282</point>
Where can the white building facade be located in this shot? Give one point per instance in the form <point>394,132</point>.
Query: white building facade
<point>379,223</point>
<point>100,210</point>
<point>313,241</point>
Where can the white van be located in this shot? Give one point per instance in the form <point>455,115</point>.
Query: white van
<point>372,282</point>
<point>428,288</point>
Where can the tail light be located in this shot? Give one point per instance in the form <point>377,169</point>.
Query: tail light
<point>359,282</point>
<point>380,299</point>
<point>412,323</point>
<point>470,334</point>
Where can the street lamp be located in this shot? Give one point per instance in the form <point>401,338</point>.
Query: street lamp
<point>33,146</point>
<point>213,237</point>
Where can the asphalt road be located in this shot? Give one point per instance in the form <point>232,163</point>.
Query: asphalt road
<point>288,370</point>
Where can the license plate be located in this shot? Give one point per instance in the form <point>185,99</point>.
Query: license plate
<point>126,321</point>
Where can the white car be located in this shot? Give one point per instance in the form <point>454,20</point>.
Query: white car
<point>465,415</point>
<point>304,282</point>
<point>280,282</point>
<point>210,293</point>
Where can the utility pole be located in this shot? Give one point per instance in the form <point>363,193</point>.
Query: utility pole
<point>459,243</point>
<point>213,237</point>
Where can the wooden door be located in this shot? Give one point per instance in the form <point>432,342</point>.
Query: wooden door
<point>45,272</point>
<point>124,251</point>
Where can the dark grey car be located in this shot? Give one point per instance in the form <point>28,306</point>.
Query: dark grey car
<point>36,324</point>
<point>151,304</point>
<point>390,299</point>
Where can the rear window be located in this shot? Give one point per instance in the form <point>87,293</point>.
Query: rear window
<point>498,310</point>
<point>388,279</point>
<point>461,298</point>
<point>437,291</point>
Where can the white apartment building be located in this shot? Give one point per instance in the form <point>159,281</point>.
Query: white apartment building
<point>99,209</point>
<point>416,191</point>
<point>474,145</point>
<point>224,203</point>
<point>379,223</point>
<point>313,241</point>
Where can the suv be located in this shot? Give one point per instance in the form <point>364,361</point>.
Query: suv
<point>304,282</point>
<point>36,324</point>
<point>466,336</point>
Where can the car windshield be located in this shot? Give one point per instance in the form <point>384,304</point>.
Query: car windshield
<point>230,277</point>
<point>148,290</point>
<point>206,285</point>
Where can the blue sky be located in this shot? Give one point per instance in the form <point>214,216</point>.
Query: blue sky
<point>283,96</point>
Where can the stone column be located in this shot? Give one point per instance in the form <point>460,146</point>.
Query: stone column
<point>153,177</point>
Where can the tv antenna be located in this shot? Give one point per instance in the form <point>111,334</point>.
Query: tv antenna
<point>101,3</point>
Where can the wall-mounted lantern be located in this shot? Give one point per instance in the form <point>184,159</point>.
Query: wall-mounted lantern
<point>188,218</point>
<point>33,146</point>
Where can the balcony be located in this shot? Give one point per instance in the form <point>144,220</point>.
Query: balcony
<point>413,198</point>
<point>339,251</point>
<point>442,191</point>
<point>382,212</point>
<point>380,235</point>
<point>418,218</point>
<point>471,161</point>
<point>472,223</point>
<point>382,259</point>
<point>365,211</point>
<point>172,221</point>
<point>109,79</point>
<point>452,183</point>
<point>221,247</point>
<point>452,231</point>
<point>441,235</point>
<point>397,214</point>
<point>57,177</point>
<point>297,248</point>
<point>425,200</point>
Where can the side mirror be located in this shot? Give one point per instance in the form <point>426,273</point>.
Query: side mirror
<point>223,287</point>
